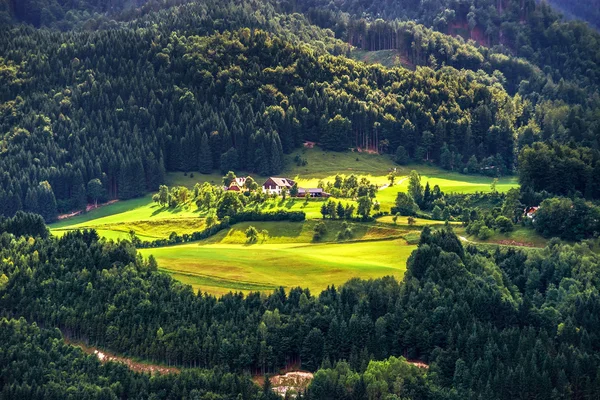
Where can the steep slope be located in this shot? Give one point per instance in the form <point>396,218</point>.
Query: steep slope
<point>123,105</point>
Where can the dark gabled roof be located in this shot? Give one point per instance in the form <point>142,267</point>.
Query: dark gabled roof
<point>280,181</point>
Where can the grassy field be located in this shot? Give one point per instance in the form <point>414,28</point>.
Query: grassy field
<point>220,268</point>
<point>520,236</point>
<point>287,257</point>
<point>387,58</point>
<point>150,221</point>
<point>302,232</point>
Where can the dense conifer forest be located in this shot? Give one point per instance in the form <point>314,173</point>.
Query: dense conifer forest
<point>502,324</point>
<point>159,91</point>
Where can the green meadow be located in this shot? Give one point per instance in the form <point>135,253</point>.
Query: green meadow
<point>220,268</point>
<point>288,256</point>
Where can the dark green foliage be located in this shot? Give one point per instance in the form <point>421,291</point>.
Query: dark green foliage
<point>229,204</point>
<point>129,108</point>
<point>405,205</point>
<point>401,157</point>
<point>205,163</point>
<point>587,10</point>
<point>95,190</point>
<point>567,219</point>
<point>24,224</point>
<point>503,224</point>
<point>229,161</point>
<point>37,364</point>
<point>560,170</point>
<point>455,309</point>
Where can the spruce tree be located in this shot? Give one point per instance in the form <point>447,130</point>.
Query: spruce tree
<point>205,163</point>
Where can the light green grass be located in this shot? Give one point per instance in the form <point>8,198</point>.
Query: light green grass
<point>220,268</point>
<point>449,182</point>
<point>147,219</point>
<point>387,58</point>
<point>324,166</point>
<point>521,236</point>
<point>150,221</point>
<point>302,232</point>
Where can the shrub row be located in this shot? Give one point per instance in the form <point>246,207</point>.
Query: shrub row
<point>226,222</point>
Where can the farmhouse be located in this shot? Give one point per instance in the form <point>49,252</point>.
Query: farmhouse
<point>237,185</point>
<point>316,192</point>
<point>233,186</point>
<point>530,212</point>
<point>240,181</point>
<point>276,185</point>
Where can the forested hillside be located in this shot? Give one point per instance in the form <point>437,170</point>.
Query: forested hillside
<point>125,105</point>
<point>587,10</point>
<point>222,85</point>
<point>62,14</point>
<point>499,325</point>
<point>36,364</point>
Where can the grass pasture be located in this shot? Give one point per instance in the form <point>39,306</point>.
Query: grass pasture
<point>288,257</point>
<point>221,268</point>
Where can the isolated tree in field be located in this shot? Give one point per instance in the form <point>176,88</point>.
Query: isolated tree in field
<point>324,210</point>
<point>251,234</point>
<point>364,206</point>
<point>163,195</point>
<point>392,177</point>
<point>95,190</point>
<point>395,218</point>
<point>415,189</point>
<point>228,178</point>
<point>294,190</point>
<point>265,235</point>
<point>411,221</point>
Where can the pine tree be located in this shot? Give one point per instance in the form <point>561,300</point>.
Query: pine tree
<point>47,202</point>
<point>31,201</point>
<point>205,163</point>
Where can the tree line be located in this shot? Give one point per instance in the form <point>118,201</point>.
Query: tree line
<point>141,102</point>
<point>499,324</point>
